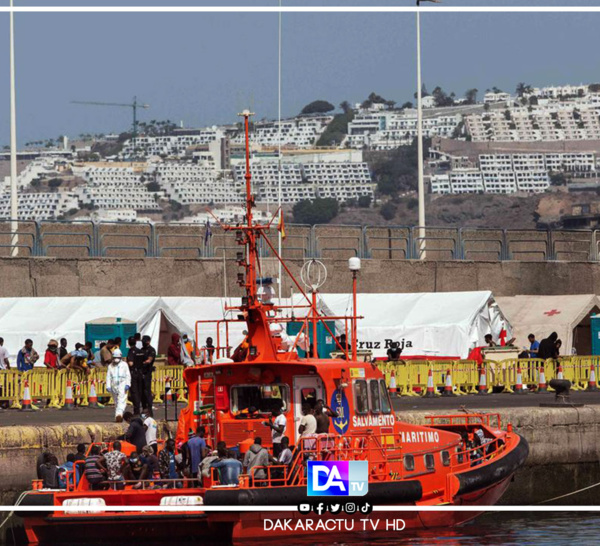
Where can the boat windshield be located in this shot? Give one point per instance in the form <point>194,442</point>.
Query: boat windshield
<point>265,398</point>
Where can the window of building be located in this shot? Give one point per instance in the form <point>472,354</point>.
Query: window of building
<point>361,397</point>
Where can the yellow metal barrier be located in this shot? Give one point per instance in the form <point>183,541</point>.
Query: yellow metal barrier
<point>465,374</point>
<point>42,386</point>
<point>159,380</point>
<point>10,387</point>
<point>79,384</point>
<point>98,375</point>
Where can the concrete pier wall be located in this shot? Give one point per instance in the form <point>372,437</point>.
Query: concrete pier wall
<point>27,277</point>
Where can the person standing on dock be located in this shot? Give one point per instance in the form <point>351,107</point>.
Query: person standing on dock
<point>118,382</point>
<point>4,363</point>
<point>135,358</point>
<point>27,357</point>
<point>149,356</point>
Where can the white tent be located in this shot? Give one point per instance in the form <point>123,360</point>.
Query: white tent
<point>428,324</point>
<point>42,319</point>
<point>568,316</point>
<point>193,309</point>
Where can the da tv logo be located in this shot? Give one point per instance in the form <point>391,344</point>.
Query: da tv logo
<point>338,478</point>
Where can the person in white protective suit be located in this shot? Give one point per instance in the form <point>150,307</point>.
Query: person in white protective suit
<point>118,382</point>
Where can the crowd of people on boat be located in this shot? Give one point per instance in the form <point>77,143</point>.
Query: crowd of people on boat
<point>194,459</point>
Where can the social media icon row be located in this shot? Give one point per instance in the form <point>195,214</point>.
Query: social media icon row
<point>321,508</point>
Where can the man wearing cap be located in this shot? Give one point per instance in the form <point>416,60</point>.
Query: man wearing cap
<point>51,356</point>
<point>118,382</point>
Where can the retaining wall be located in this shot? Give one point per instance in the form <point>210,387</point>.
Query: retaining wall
<point>27,277</point>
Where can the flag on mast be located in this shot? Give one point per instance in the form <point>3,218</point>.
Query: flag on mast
<point>281,226</point>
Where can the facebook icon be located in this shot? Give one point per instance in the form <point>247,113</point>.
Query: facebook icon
<point>338,478</point>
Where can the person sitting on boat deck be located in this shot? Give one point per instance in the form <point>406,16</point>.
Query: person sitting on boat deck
<point>27,357</point>
<point>256,456</point>
<point>115,460</point>
<point>65,468</point>
<point>241,351</point>
<point>149,458</point>
<point>48,472</point>
<point>188,345</point>
<point>51,356</point>
<point>135,470</point>
<point>308,423</point>
<point>118,382</point>
<point>135,433</point>
<point>95,469</point>
<point>323,414</point>
<point>208,351</point>
<point>229,467</point>
<point>167,463</point>
<point>277,423</point>
<point>174,351</point>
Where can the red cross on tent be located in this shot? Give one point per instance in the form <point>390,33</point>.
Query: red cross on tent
<point>552,313</point>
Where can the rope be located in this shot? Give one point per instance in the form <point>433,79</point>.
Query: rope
<point>569,494</point>
<point>10,514</point>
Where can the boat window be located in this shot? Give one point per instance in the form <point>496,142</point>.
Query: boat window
<point>445,455</point>
<point>386,406</point>
<point>429,461</point>
<point>460,457</point>
<point>361,397</point>
<point>375,402</point>
<point>308,395</point>
<point>265,398</point>
<point>409,463</point>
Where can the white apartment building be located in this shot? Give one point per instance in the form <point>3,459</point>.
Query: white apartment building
<point>301,132</point>
<point>556,122</point>
<point>388,130</point>
<point>490,97</point>
<point>341,181</point>
<point>440,184</point>
<point>466,181</point>
<point>110,187</point>
<point>499,181</point>
<point>172,145</point>
<point>39,206</point>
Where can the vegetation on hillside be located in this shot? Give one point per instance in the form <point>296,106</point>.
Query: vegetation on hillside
<point>317,107</point>
<point>337,130</point>
<point>318,211</point>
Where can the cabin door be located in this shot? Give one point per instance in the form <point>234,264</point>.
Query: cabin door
<point>307,390</point>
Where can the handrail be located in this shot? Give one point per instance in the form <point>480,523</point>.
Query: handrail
<point>386,242</point>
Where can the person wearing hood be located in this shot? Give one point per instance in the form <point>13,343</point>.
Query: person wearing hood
<point>257,455</point>
<point>51,356</point>
<point>118,382</point>
<point>174,352</point>
<point>547,348</point>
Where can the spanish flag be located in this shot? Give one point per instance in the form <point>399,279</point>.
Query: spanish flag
<point>281,227</point>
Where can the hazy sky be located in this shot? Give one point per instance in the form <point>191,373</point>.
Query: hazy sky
<point>203,68</point>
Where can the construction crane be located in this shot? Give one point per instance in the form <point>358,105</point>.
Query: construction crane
<point>134,106</point>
